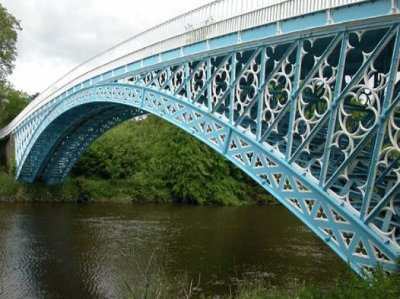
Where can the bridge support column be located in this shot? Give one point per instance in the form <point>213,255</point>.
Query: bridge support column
<point>7,153</point>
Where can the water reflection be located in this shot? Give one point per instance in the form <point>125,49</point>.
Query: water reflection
<point>96,250</point>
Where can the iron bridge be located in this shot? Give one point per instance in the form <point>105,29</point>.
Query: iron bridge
<point>304,96</point>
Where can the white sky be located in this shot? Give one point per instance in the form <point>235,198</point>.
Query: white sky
<point>60,34</point>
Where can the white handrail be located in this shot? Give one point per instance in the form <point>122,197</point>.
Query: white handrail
<point>214,19</point>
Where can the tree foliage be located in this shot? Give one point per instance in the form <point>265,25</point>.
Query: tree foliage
<point>161,162</point>
<point>12,102</point>
<point>9,27</point>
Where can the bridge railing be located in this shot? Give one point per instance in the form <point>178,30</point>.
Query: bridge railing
<point>211,20</point>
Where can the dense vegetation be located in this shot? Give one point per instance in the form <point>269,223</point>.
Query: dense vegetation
<point>161,163</point>
<point>12,103</point>
<point>9,27</point>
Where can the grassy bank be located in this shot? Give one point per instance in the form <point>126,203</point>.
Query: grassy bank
<point>346,285</point>
<point>73,190</point>
<point>82,189</point>
<point>11,190</point>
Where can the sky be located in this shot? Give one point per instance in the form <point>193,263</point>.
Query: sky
<point>57,35</point>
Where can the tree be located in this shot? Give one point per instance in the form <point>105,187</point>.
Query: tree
<point>161,162</point>
<point>9,26</point>
<point>12,102</point>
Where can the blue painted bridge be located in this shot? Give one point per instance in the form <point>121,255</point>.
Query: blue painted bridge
<point>304,96</point>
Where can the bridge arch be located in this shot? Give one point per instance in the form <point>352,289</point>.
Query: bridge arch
<point>62,141</point>
<point>70,127</point>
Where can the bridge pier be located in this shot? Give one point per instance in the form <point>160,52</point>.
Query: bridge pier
<point>7,153</point>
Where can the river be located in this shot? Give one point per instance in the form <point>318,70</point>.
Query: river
<point>105,250</point>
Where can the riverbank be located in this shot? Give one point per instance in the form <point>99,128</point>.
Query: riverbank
<point>13,191</point>
<point>81,189</point>
<point>346,285</point>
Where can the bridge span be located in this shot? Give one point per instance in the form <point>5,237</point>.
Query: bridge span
<point>302,95</point>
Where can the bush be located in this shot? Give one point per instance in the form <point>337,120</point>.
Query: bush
<point>161,162</point>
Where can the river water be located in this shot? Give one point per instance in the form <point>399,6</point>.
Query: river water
<point>105,250</point>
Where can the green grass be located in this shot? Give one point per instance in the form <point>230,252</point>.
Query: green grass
<point>11,190</point>
<point>8,186</point>
<point>83,189</point>
<point>346,285</point>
